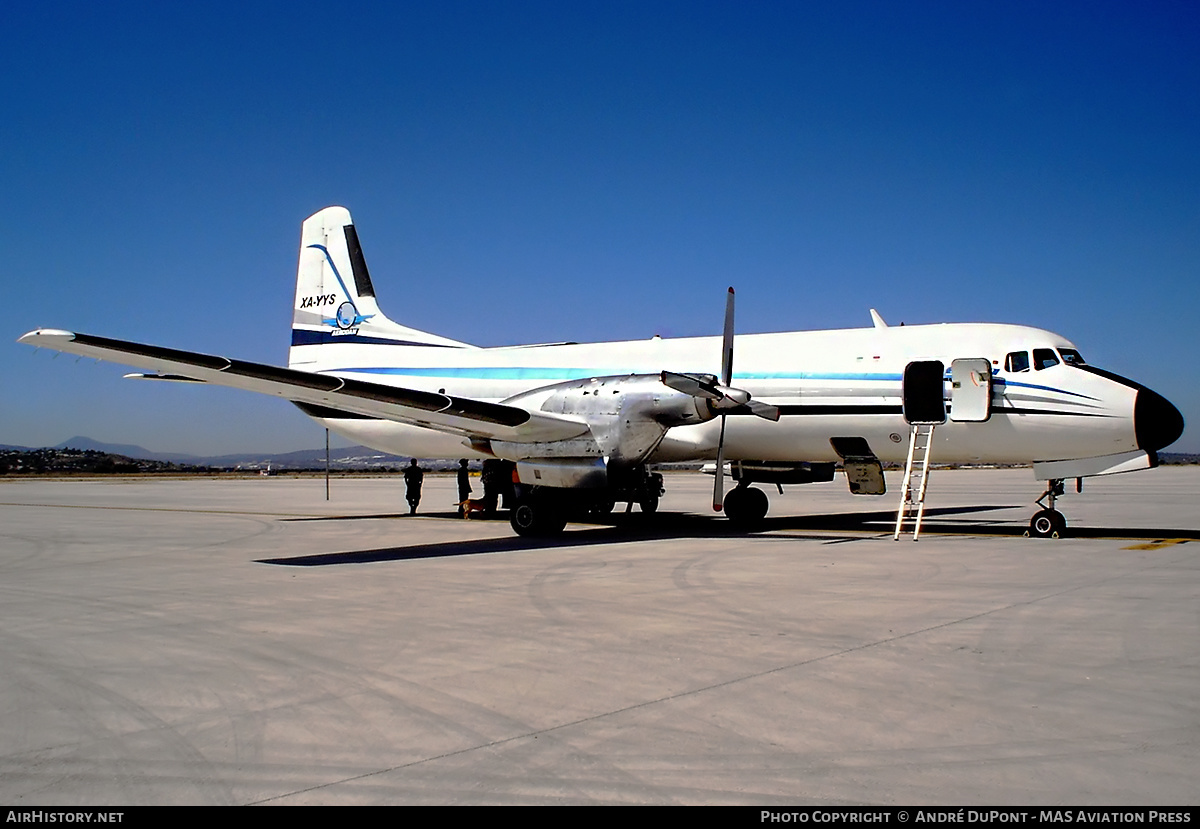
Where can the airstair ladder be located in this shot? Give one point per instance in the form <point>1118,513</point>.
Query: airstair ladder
<point>916,476</point>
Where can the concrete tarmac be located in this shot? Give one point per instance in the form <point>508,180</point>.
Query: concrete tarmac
<point>246,642</point>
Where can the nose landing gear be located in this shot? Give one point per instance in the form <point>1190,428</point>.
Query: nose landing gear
<point>1049,522</point>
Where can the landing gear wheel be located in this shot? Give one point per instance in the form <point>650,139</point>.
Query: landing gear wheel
<point>649,504</point>
<point>1048,523</point>
<point>533,517</point>
<point>524,518</point>
<point>746,506</point>
<point>758,503</point>
<point>735,501</point>
<point>599,509</point>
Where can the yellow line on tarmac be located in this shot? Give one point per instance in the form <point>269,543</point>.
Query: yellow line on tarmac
<point>1158,545</point>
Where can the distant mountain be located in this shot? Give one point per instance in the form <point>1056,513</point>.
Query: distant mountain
<point>1178,458</point>
<point>346,457</point>
<point>356,457</point>
<point>127,449</point>
<point>72,461</point>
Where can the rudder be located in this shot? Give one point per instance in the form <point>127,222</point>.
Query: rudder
<point>335,298</point>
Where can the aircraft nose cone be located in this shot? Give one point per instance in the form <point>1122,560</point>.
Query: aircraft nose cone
<point>1156,423</point>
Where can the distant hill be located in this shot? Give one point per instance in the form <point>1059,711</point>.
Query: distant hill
<point>127,449</point>
<point>1177,458</point>
<point>80,461</point>
<point>347,457</point>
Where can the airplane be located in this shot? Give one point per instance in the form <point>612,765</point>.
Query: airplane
<point>580,426</point>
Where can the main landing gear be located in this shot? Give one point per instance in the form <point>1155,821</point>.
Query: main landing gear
<point>746,505</point>
<point>538,514</point>
<point>1049,522</point>
<point>541,511</point>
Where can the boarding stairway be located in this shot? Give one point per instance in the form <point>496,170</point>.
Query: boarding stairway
<point>916,476</point>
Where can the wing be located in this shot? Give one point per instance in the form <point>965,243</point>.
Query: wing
<point>441,412</point>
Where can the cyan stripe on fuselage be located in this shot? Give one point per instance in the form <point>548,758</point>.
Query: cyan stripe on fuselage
<point>558,373</point>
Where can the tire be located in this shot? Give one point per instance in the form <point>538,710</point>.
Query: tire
<point>1047,523</point>
<point>649,504</point>
<point>745,506</point>
<point>757,504</point>
<point>524,518</point>
<point>535,517</point>
<point>735,501</point>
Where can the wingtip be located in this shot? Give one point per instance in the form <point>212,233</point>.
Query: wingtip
<point>44,335</point>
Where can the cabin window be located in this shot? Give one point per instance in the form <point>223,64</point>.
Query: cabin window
<point>1071,357</point>
<point>1017,361</point>
<point>1044,358</point>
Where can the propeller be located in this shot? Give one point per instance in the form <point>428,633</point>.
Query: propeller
<point>724,398</point>
<point>726,379</point>
<point>735,401</point>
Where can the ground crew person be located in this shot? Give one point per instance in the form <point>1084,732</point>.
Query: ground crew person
<point>413,477</point>
<point>464,484</point>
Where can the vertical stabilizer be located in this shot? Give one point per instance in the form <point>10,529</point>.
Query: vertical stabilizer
<point>335,299</point>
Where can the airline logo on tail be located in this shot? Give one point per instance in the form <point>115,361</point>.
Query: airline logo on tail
<point>347,316</point>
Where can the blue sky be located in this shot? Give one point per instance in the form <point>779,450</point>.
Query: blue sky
<point>531,172</point>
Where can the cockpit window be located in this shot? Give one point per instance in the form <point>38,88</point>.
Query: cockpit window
<point>1071,357</point>
<point>1044,358</point>
<point>1017,361</point>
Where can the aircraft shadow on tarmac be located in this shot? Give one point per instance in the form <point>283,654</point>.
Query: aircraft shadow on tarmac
<point>621,528</point>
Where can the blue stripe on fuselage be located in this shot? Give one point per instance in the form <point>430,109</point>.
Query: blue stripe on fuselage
<point>558,373</point>
<point>561,374</point>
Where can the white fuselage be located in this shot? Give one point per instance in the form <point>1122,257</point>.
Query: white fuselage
<point>828,384</point>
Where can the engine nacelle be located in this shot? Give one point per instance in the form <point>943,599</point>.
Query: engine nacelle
<point>629,415</point>
<point>642,396</point>
<point>568,473</point>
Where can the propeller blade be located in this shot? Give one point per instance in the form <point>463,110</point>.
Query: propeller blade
<point>727,342</point>
<point>764,410</point>
<point>697,385</point>
<point>731,398</point>
<point>719,477</point>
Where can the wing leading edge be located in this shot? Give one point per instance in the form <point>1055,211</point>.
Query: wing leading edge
<point>440,412</point>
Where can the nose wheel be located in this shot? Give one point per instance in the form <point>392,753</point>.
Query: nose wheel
<point>1049,522</point>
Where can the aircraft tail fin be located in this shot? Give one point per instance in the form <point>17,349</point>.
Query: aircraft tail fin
<point>335,298</point>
